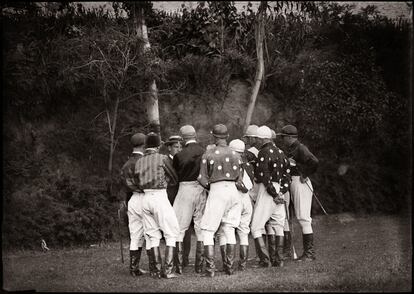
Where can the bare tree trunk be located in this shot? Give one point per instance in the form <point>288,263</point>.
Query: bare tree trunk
<point>222,36</point>
<point>152,99</point>
<point>152,108</point>
<point>260,31</point>
<point>112,145</point>
<point>113,128</point>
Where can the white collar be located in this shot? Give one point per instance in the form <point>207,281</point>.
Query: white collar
<point>137,152</point>
<point>253,150</point>
<point>170,156</point>
<point>152,150</point>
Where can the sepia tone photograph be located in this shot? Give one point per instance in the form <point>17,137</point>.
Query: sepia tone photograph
<point>207,146</point>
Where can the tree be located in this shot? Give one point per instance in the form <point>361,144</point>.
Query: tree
<point>286,10</point>
<point>137,11</point>
<point>259,33</point>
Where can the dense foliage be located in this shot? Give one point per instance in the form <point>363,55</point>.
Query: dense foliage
<point>74,86</point>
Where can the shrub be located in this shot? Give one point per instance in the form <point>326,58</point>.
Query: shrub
<point>62,210</point>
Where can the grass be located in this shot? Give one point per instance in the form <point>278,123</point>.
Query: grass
<point>354,254</point>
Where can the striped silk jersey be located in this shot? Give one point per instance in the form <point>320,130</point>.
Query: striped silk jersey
<point>272,166</point>
<point>128,170</point>
<point>150,171</point>
<point>220,163</point>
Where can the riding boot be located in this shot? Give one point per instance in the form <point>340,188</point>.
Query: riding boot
<point>278,261</point>
<point>263,253</point>
<point>157,261</point>
<point>199,260</point>
<point>308,251</point>
<point>168,264</point>
<point>244,252</point>
<point>151,262</point>
<point>178,257</point>
<point>186,247</point>
<point>272,248</point>
<point>257,249</point>
<point>223,257</point>
<point>209,258</point>
<point>287,246</point>
<point>134,257</point>
<point>230,250</point>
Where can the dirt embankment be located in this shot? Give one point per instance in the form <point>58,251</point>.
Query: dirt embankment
<point>230,110</point>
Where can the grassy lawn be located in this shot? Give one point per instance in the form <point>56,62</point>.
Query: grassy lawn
<point>354,254</point>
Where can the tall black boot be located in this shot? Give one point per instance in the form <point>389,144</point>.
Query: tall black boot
<point>287,246</point>
<point>257,249</point>
<point>263,253</point>
<point>134,257</point>
<point>209,258</point>
<point>151,262</point>
<point>230,250</point>
<point>157,261</point>
<point>272,248</point>
<point>199,260</point>
<point>244,253</point>
<point>168,264</point>
<point>223,257</point>
<point>178,257</point>
<point>308,251</point>
<point>186,247</point>
<point>264,236</point>
<point>278,262</point>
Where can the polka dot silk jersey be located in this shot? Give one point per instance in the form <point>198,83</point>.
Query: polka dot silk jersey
<point>220,163</point>
<point>272,166</point>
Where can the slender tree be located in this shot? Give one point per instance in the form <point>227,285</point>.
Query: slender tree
<point>279,7</point>
<point>136,11</point>
<point>259,34</point>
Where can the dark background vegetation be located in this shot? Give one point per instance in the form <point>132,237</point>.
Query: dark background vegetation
<point>342,78</point>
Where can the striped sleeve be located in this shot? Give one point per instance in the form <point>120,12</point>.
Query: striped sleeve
<point>137,172</point>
